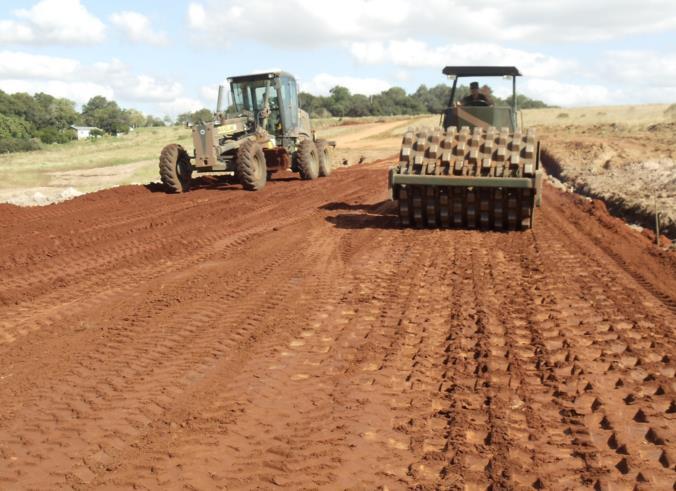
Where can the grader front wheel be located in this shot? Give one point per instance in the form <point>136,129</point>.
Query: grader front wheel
<point>252,169</point>
<point>175,168</point>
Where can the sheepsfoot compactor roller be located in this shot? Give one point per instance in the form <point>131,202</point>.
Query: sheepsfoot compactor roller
<point>269,133</point>
<point>478,170</point>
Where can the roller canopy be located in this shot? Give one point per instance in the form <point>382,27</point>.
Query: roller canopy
<point>481,71</point>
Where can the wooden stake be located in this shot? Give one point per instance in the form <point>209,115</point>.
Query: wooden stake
<point>657,223</point>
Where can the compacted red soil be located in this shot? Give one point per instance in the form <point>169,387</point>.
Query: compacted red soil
<point>298,338</point>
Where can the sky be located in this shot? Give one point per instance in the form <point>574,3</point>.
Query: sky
<point>165,58</point>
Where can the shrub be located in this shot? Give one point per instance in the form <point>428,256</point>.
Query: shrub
<point>8,145</point>
<point>55,135</point>
<point>14,127</point>
<point>562,115</point>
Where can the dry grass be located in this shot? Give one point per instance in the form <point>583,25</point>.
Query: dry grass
<point>634,116</point>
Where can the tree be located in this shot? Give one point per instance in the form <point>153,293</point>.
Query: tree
<point>524,102</point>
<point>136,118</point>
<point>54,113</point>
<point>204,115</point>
<point>14,127</point>
<point>183,119</point>
<point>359,105</point>
<point>395,101</point>
<point>313,105</point>
<point>339,101</point>
<point>153,121</point>
<point>105,114</point>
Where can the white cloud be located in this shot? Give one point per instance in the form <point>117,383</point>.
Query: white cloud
<point>403,75</point>
<point>79,92</point>
<point>132,87</point>
<point>585,21</point>
<point>640,67</point>
<point>197,16</point>
<point>53,21</point>
<point>308,23</point>
<point>180,105</point>
<point>566,94</point>
<point>416,54</point>
<point>209,93</point>
<point>23,65</point>
<point>321,84</point>
<point>296,22</point>
<point>137,28</point>
<point>65,77</point>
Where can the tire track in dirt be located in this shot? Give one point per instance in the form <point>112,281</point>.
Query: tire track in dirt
<point>617,367</point>
<point>123,265</point>
<point>123,403</point>
<point>289,367</point>
<point>305,342</point>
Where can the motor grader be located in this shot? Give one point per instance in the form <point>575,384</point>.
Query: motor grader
<point>479,169</point>
<point>268,133</point>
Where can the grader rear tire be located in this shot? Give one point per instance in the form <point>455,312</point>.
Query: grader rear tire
<point>308,160</point>
<point>325,160</point>
<point>252,169</point>
<point>175,168</point>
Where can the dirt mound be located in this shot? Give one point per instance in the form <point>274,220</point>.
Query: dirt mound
<point>632,171</point>
<point>670,112</point>
<point>296,337</point>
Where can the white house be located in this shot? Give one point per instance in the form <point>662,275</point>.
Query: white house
<point>83,131</point>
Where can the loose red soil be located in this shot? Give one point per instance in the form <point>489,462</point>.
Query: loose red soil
<point>297,338</point>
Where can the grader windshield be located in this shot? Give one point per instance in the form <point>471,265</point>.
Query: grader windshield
<point>271,98</point>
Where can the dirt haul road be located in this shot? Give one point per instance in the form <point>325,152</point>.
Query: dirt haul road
<point>297,338</point>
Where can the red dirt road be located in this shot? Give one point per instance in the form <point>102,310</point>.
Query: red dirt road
<point>296,338</point>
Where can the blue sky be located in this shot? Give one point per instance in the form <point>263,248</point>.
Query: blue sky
<point>169,57</point>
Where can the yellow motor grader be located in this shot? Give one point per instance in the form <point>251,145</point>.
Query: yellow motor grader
<point>268,133</point>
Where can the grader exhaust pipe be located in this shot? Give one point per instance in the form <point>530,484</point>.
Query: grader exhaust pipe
<point>221,96</point>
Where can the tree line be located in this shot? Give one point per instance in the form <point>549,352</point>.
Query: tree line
<point>28,121</point>
<point>394,101</point>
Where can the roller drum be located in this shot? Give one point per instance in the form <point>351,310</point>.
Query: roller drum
<point>483,157</point>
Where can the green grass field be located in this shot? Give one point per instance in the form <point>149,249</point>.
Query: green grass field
<point>37,169</point>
